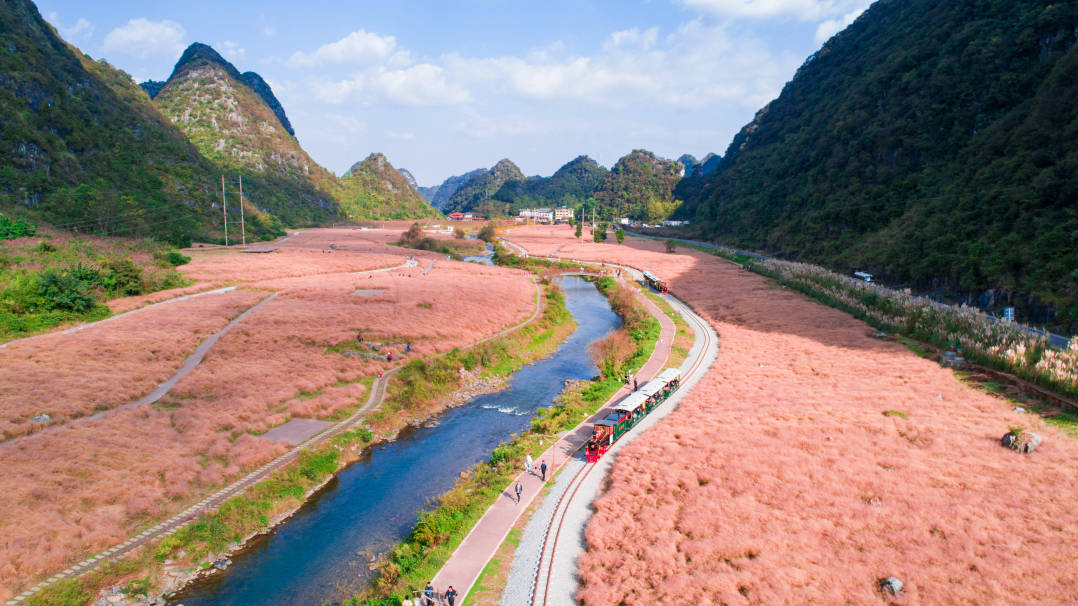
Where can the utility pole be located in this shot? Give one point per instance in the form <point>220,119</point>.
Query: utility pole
<point>243,227</point>
<point>224,207</point>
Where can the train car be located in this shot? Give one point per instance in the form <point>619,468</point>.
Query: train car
<point>653,281</point>
<point>630,411</point>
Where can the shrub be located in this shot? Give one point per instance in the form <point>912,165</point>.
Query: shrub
<point>671,246</point>
<point>122,276</point>
<point>620,235</point>
<point>15,228</point>
<point>458,233</point>
<point>487,233</point>
<point>64,291</point>
<point>172,258</point>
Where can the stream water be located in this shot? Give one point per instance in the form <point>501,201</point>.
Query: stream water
<point>319,555</point>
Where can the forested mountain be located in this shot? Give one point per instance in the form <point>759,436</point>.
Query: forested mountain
<point>409,177</point>
<point>935,143</point>
<point>640,186</point>
<point>570,185</point>
<point>439,195</point>
<point>84,147</point>
<point>475,193</point>
<point>232,124</point>
<point>373,189</point>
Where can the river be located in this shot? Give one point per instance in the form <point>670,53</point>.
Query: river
<point>319,555</point>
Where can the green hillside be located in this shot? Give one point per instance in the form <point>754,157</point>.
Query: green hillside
<point>232,125</point>
<point>82,146</point>
<point>932,143</point>
<point>476,193</point>
<point>640,186</point>
<point>373,189</point>
<point>571,185</point>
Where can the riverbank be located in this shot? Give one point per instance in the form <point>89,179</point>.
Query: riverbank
<point>442,530</point>
<point>274,499</point>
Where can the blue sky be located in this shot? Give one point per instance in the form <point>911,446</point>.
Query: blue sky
<point>445,87</point>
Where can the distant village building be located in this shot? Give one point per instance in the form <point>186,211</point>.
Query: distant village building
<point>669,223</point>
<point>563,214</point>
<point>541,215</point>
<point>459,216</point>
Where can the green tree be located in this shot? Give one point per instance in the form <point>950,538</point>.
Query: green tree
<point>579,228</point>
<point>487,233</point>
<point>671,246</point>
<point>620,235</point>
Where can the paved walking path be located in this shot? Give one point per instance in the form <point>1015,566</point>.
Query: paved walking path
<point>545,566</point>
<point>463,567</point>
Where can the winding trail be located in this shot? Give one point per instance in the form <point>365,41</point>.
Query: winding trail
<point>212,502</point>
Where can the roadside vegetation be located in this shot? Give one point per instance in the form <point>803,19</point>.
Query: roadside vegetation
<point>1003,346</point>
<point>49,277</point>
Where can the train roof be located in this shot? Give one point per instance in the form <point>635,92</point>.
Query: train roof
<point>650,276</point>
<point>668,375</point>
<point>606,423</point>
<point>631,402</point>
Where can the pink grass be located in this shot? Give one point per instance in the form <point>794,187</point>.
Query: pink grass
<point>760,487</point>
<point>72,490</point>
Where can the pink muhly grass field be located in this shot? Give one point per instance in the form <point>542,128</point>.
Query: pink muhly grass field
<point>780,480</point>
<point>75,489</point>
<point>73,375</point>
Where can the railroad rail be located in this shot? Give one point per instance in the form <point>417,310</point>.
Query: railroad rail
<point>540,590</point>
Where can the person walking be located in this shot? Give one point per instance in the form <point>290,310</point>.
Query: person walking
<point>528,465</point>
<point>542,468</point>
<point>636,385</point>
<point>451,596</point>
<point>428,593</point>
<point>519,490</point>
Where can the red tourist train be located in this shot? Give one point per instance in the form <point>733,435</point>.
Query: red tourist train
<point>654,282</point>
<point>629,412</point>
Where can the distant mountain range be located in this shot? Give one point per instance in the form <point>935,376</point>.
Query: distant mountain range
<point>639,186</point>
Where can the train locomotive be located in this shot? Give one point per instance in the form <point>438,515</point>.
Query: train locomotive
<point>655,282</point>
<point>629,411</point>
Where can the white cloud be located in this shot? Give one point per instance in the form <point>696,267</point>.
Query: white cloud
<point>422,85</point>
<point>357,47</point>
<point>144,38</point>
<point>805,10</point>
<point>694,66</point>
<point>231,50</point>
<point>400,136</point>
<point>82,29</point>
<point>830,27</point>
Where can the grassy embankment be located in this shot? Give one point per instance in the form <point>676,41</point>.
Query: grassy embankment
<point>411,563</point>
<point>415,391</point>
<point>49,277</point>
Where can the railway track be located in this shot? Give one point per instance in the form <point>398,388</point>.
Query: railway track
<point>546,569</point>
